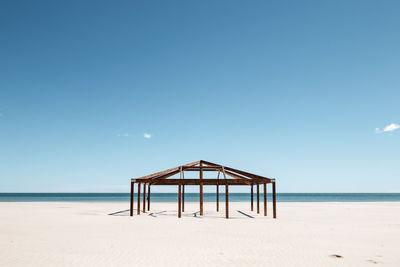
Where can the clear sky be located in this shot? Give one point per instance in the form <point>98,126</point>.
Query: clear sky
<point>93,93</point>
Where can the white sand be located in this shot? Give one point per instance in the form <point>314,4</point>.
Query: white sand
<point>305,234</point>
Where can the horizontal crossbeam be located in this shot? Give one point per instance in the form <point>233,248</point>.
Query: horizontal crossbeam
<point>194,181</point>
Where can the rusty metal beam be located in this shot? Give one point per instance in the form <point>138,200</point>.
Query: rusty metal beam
<point>154,175</point>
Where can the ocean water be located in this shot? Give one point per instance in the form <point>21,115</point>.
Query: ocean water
<point>208,197</point>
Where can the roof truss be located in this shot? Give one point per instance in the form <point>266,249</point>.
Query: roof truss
<point>239,177</point>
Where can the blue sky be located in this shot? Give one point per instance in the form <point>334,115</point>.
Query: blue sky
<point>304,91</point>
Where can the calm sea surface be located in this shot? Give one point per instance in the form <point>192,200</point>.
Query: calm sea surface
<point>170,197</point>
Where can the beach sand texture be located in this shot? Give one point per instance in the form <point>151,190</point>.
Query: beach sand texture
<point>98,234</point>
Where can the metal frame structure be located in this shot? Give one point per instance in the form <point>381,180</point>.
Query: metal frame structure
<point>230,177</point>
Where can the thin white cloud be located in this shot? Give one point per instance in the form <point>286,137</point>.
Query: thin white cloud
<point>147,135</point>
<point>124,135</point>
<point>389,128</point>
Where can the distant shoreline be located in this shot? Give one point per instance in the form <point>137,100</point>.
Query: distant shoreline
<point>194,197</point>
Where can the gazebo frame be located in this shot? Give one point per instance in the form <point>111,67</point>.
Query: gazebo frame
<point>238,178</point>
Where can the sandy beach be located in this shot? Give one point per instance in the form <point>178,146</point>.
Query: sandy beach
<point>102,234</point>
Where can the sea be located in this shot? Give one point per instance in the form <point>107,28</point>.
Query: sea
<point>194,197</point>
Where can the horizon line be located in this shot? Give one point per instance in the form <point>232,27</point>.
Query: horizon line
<point>198,193</point>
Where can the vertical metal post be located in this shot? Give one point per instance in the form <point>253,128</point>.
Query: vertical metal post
<point>218,191</point>
<point>131,204</point>
<point>138,199</point>
<point>144,197</point>
<point>148,198</point>
<point>274,199</point>
<point>265,199</point>
<point>201,188</point>
<point>179,200</point>
<point>226,201</point>
<point>182,177</point>
<point>258,198</point>
<point>217,197</point>
<point>183,198</point>
<point>252,196</point>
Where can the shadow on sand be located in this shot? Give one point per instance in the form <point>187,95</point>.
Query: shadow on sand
<point>154,214</point>
<point>118,213</point>
<point>245,214</point>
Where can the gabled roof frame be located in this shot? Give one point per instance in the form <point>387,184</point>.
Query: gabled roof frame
<point>239,178</point>
<point>200,166</point>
